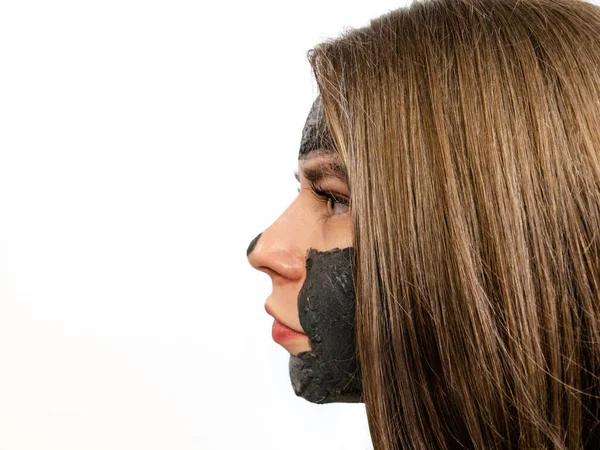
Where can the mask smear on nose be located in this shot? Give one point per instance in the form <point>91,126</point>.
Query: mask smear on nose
<point>329,372</point>
<point>252,244</point>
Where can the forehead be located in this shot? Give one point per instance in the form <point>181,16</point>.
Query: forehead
<point>315,136</point>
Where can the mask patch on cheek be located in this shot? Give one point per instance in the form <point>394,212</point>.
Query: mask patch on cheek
<point>329,372</point>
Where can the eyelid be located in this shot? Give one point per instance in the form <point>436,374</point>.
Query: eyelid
<point>326,195</point>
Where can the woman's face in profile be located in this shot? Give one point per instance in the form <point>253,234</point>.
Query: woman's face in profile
<point>319,218</point>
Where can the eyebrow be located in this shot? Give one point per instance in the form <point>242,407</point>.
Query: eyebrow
<point>332,168</point>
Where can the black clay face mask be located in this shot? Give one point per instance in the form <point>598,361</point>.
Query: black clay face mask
<point>329,372</point>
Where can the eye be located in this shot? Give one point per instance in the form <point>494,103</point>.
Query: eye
<point>336,203</point>
<point>335,206</point>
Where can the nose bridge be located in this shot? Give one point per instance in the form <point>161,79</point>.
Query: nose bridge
<point>282,247</point>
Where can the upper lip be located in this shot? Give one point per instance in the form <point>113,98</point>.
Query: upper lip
<point>269,312</point>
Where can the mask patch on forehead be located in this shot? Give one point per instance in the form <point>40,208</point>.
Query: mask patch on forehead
<point>329,372</point>
<point>315,134</point>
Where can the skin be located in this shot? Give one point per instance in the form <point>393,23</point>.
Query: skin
<point>310,221</point>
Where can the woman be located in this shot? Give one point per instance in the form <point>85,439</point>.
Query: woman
<point>454,159</point>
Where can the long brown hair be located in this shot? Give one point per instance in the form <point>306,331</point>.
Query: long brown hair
<point>470,130</point>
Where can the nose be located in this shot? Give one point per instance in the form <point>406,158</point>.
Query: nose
<point>252,244</point>
<point>280,250</point>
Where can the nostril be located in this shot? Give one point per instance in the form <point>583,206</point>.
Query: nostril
<point>252,244</point>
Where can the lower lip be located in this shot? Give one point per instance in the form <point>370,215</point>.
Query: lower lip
<point>281,333</point>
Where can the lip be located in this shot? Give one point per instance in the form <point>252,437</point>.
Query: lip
<point>281,332</point>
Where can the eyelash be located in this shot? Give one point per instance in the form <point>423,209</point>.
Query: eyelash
<point>328,196</point>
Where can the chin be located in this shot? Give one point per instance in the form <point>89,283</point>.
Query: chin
<point>300,345</point>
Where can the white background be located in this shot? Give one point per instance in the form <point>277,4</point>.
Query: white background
<point>143,144</point>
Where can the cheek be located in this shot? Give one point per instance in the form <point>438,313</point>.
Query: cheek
<point>338,232</point>
<point>319,230</point>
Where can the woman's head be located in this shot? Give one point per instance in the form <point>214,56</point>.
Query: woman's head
<point>470,132</point>
<point>307,254</point>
